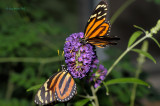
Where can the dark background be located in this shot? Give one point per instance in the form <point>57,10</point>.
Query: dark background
<point>31,32</point>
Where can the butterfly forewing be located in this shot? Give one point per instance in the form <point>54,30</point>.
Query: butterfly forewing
<point>97,29</point>
<point>45,94</point>
<point>96,25</point>
<point>59,87</point>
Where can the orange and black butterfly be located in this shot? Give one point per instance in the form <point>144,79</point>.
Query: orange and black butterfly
<point>97,29</point>
<point>60,87</point>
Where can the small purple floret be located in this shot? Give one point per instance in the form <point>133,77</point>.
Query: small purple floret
<point>98,76</point>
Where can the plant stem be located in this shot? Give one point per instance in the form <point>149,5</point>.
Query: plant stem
<point>88,97</point>
<point>124,53</point>
<point>120,10</point>
<point>40,70</point>
<point>140,60</point>
<point>10,87</point>
<point>30,59</point>
<point>95,96</point>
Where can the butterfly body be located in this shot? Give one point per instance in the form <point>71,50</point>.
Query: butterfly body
<point>60,87</point>
<point>97,29</point>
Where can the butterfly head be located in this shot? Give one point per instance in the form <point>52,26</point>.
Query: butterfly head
<point>82,40</point>
<point>63,67</point>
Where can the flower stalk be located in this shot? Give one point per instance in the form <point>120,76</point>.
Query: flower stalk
<point>95,96</point>
<point>154,30</point>
<point>125,52</point>
<point>140,60</point>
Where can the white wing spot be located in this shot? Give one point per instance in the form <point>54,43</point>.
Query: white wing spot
<point>92,16</point>
<point>98,7</point>
<point>99,12</point>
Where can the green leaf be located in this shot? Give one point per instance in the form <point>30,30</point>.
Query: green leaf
<point>34,87</point>
<point>145,54</point>
<point>155,41</point>
<point>126,80</point>
<point>138,27</point>
<point>81,102</point>
<point>134,36</point>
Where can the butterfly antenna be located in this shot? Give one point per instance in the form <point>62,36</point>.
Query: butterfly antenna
<point>63,56</point>
<point>59,58</point>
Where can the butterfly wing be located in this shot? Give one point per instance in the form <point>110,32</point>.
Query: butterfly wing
<point>59,87</point>
<point>97,25</point>
<point>97,28</point>
<point>46,94</point>
<point>103,41</point>
<point>65,87</point>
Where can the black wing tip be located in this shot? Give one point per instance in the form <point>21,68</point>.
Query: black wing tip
<point>103,2</point>
<point>113,38</point>
<point>38,103</point>
<point>116,38</point>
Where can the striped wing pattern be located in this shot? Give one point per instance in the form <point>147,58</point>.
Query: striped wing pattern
<point>59,87</point>
<point>97,28</point>
<point>97,25</point>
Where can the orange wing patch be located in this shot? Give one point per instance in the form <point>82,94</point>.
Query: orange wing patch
<point>89,26</point>
<point>100,45</point>
<point>93,28</point>
<point>100,31</point>
<point>105,29</point>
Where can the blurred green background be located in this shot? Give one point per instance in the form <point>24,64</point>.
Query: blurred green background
<point>31,32</point>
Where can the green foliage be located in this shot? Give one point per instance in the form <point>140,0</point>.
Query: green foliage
<point>155,1</point>
<point>37,31</point>
<point>34,87</point>
<point>156,28</point>
<point>14,102</point>
<point>81,102</point>
<point>140,28</point>
<point>126,80</point>
<point>145,54</point>
<point>133,38</point>
<point>120,93</point>
<point>155,41</point>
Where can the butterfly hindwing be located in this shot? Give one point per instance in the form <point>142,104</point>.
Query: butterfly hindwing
<point>103,41</point>
<point>65,88</point>
<point>59,87</point>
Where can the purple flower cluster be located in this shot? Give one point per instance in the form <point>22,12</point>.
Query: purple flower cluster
<point>80,58</point>
<point>98,76</point>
